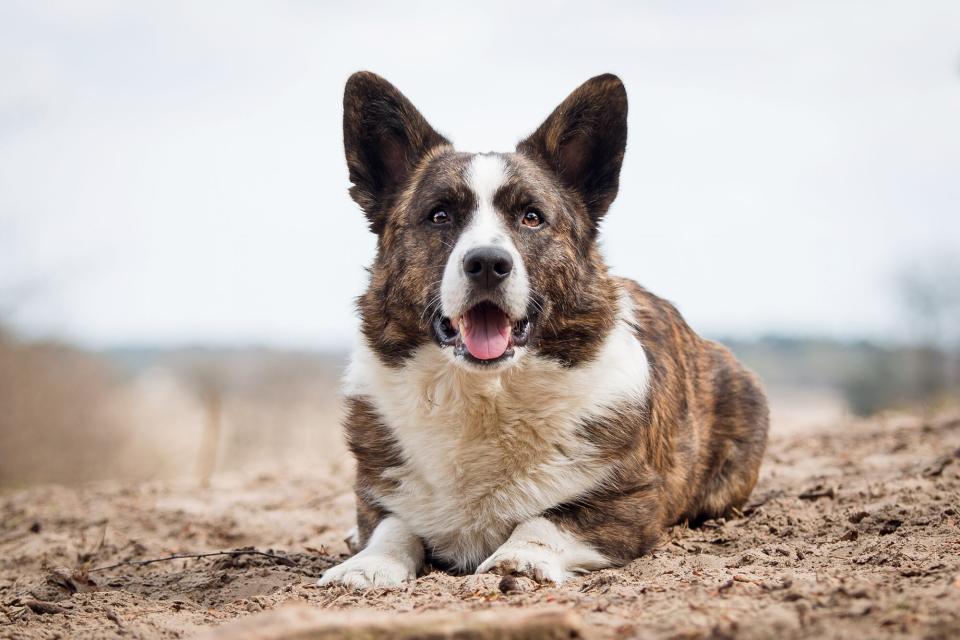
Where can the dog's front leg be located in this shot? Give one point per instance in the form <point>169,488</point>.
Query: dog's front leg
<point>392,556</point>
<point>541,550</point>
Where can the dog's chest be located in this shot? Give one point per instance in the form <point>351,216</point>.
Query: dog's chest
<point>477,466</point>
<point>485,452</point>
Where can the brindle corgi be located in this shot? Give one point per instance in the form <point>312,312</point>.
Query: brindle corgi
<point>513,407</point>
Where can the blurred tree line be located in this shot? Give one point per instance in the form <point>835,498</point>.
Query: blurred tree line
<point>928,372</point>
<point>922,370</point>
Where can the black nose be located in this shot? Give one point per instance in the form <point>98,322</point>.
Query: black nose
<point>487,266</point>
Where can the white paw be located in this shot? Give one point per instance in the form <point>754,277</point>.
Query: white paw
<point>370,570</point>
<point>526,558</point>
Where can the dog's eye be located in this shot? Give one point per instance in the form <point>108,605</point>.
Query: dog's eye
<point>532,219</point>
<point>439,217</point>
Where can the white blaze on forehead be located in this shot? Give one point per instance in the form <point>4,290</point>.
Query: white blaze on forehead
<point>485,175</point>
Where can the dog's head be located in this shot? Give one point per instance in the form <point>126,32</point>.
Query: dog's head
<point>488,256</point>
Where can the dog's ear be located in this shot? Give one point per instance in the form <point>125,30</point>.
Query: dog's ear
<point>583,141</point>
<point>384,136</point>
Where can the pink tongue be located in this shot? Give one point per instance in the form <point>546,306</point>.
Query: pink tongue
<point>486,332</point>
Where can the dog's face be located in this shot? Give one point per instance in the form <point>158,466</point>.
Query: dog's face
<point>487,256</point>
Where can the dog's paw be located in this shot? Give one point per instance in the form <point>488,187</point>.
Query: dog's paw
<point>368,571</point>
<point>532,559</point>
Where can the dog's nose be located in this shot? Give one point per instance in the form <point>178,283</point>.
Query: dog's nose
<point>487,266</point>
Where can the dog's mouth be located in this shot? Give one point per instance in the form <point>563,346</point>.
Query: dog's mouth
<point>485,334</point>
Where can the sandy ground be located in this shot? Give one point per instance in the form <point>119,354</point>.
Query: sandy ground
<point>853,530</point>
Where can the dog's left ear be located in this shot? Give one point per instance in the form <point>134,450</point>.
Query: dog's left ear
<point>384,137</point>
<point>583,141</point>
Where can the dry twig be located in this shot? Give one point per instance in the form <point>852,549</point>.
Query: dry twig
<point>181,556</point>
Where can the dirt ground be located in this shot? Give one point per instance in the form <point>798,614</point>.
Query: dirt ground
<point>854,530</point>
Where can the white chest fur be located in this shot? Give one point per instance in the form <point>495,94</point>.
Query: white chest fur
<point>486,451</point>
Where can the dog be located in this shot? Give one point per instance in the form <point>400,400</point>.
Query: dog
<point>513,408</point>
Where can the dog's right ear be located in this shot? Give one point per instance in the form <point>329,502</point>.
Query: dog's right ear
<point>384,137</point>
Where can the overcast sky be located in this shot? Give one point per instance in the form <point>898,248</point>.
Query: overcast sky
<point>174,172</point>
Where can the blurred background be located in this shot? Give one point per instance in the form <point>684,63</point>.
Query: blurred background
<point>179,256</point>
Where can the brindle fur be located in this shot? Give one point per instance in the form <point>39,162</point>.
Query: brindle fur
<point>692,450</point>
